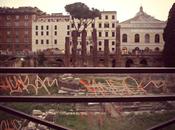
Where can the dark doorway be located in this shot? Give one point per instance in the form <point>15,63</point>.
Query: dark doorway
<point>129,63</point>
<point>113,63</point>
<point>143,63</point>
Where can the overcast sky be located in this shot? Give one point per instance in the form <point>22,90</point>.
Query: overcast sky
<point>125,8</point>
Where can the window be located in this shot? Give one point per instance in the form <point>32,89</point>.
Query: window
<point>36,27</point>
<point>8,24</point>
<point>16,40</point>
<point>72,25</point>
<point>99,43</point>
<point>36,41</point>
<point>147,38</point>
<point>42,33</point>
<point>99,48</point>
<point>100,17</point>
<point>42,27</point>
<point>113,16</point>
<point>42,41</point>
<point>8,32</point>
<point>55,32</point>
<point>157,38</point>
<point>113,25</point>
<point>113,49</point>
<point>106,17</point>
<point>47,33</point>
<point>68,26</point>
<point>8,17</point>
<point>106,25</point>
<point>106,34</point>
<point>36,33</point>
<point>47,27</point>
<point>137,38</point>
<point>17,17</point>
<point>55,41</point>
<point>124,38</point>
<point>16,24</point>
<point>16,34</point>
<point>9,39</point>
<point>26,39</point>
<point>93,25</point>
<point>124,50</point>
<point>26,17</point>
<point>113,43</point>
<point>79,25</point>
<point>47,41</point>
<point>26,32</point>
<point>99,34</point>
<point>113,34</point>
<point>99,25</point>
<point>157,49</point>
<point>68,33</point>
<point>26,24</point>
<point>55,27</point>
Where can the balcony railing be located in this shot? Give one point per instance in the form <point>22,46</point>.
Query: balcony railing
<point>83,99</point>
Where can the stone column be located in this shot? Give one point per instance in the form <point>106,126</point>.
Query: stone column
<point>74,47</point>
<point>94,39</point>
<point>118,50</point>
<point>67,52</point>
<point>106,52</point>
<point>83,49</point>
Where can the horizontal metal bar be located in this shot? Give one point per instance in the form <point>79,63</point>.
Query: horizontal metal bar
<point>31,118</point>
<point>82,99</point>
<point>163,125</point>
<point>85,70</point>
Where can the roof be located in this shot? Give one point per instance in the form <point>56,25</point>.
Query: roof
<point>20,10</point>
<point>142,17</point>
<point>108,11</point>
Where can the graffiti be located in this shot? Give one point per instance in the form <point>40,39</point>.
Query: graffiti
<point>112,86</point>
<point>32,84</point>
<point>10,125</point>
<point>22,83</point>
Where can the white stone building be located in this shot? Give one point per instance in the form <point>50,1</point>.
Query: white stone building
<point>106,29</point>
<point>142,32</point>
<point>49,31</point>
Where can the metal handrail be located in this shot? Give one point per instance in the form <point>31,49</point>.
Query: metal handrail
<point>85,70</point>
<point>31,118</point>
<point>81,99</point>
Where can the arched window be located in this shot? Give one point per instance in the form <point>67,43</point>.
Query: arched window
<point>137,38</point>
<point>147,38</point>
<point>146,49</point>
<point>124,38</point>
<point>124,50</point>
<point>157,49</point>
<point>157,38</point>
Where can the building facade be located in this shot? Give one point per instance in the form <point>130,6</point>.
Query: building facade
<point>16,28</point>
<point>49,32</point>
<point>106,30</point>
<point>142,33</point>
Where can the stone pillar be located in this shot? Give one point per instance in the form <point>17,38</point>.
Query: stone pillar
<point>94,39</point>
<point>67,52</point>
<point>74,47</point>
<point>118,50</point>
<point>106,52</point>
<point>83,49</point>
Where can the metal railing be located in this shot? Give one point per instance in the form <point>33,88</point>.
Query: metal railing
<point>82,99</point>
